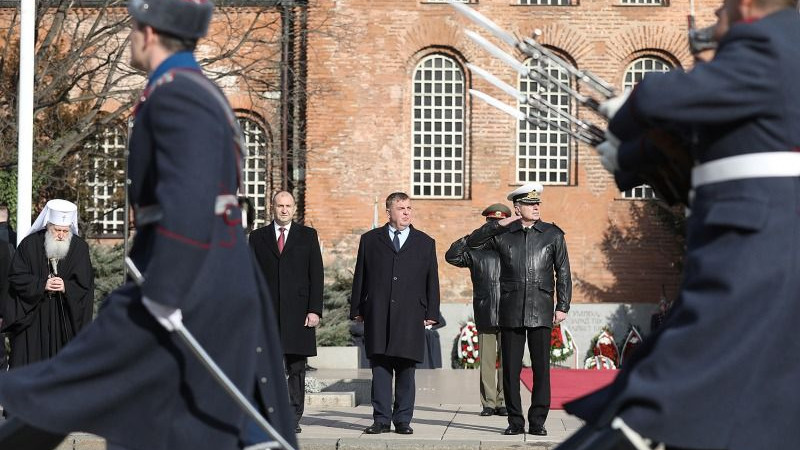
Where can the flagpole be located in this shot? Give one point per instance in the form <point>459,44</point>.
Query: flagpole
<point>27,58</point>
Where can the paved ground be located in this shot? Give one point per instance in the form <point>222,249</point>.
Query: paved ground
<point>445,417</point>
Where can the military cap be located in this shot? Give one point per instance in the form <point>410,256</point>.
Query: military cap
<point>497,211</point>
<point>528,193</point>
<point>182,18</point>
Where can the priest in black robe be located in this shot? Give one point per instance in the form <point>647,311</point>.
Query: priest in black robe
<point>51,286</point>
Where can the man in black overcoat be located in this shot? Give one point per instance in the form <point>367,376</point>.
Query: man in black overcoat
<point>721,372</point>
<point>291,261</point>
<point>535,294</point>
<point>484,270</point>
<point>126,376</point>
<point>396,294</point>
<point>51,286</point>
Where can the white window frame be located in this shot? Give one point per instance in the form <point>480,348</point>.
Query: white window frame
<point>544,153</point>
<point>642,2</point>
<point>255,169</point>
<point>107,158</point>
<point>545,2</point>
<point>634,73</point>
<point>438,129</point>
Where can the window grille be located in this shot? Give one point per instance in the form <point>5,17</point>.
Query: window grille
<point>438,129</point>
<point>543,151</point>
<point>634,74</point>
<point>255,168</point>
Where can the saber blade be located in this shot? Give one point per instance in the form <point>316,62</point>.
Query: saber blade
<point>499,105</point>
<point>498,83</point>
<point>485,22</point>
<point>497,52</point>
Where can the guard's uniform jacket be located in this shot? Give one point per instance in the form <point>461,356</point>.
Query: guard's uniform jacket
<point>722,371</point>
<point>126,378</point>
<point>484,269</point>
<point>528,260</point>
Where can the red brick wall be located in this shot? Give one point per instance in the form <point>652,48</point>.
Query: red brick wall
<point>360,130</point>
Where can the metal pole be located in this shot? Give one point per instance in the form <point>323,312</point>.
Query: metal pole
<point>27,58</point>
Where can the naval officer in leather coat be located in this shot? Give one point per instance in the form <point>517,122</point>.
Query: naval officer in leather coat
<point>534,266</point>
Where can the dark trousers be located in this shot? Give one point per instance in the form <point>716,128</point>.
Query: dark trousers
<point>383,369</point>
<point>512,345</point>
<point>296,381</point>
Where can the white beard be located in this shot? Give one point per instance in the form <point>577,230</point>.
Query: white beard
<point>56,249</point>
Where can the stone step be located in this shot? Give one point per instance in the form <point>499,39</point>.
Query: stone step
<point>337,392</point>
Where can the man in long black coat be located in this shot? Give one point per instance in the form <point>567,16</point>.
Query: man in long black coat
<point>51,287</point>
<point>484,270</point>
<point>126,377</point>
<point>721,371</point>
<point>396,294</point>
<point>291,261</point>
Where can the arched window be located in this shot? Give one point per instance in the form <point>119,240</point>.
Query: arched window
<point>543,151</point>
<point>105,206</point>
<point>437,159</point>
<point>634,74</point>
<point>254,172</point>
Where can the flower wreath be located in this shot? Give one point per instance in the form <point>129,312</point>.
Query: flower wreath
<point>603,353</point>
<point>467,345</point>
<point>561,344</point>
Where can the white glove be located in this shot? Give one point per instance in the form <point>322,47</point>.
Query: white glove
<point>169,317</point>
<point>608,151</point>
<point>610,107</point>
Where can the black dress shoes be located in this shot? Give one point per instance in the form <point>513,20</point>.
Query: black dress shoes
<point>377,428</point>
<point>514,430</point>
<point>487,411</point>
<point>297,429</point>
<point>537,430</point>
<point>403,428</point>
<point>501,411</point>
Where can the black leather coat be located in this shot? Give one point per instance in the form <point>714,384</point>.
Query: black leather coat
<point>484,269</point>
<point>533,265</point>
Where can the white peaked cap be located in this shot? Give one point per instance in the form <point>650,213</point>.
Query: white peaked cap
<point>529,191</point>
<point>58,212</point>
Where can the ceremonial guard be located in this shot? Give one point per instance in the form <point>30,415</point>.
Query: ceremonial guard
<point>721,372</point>
<point>127,377</point>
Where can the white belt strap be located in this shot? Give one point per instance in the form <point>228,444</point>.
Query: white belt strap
<point>223,202</point>
<point>751,165</point>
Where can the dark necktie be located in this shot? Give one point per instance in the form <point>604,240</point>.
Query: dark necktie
<point>281,239</point>
<point>396,240</point>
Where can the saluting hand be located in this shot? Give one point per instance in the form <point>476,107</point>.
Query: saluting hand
<point>312,320</point>
<point>508,220</point>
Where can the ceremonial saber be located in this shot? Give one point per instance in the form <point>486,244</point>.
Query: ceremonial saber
<point>218,374</point>
<point>538,102</point>
<point>519,115</point>
<point>530,46</point>
<point>536,73</point>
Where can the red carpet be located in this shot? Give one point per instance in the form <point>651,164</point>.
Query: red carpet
<point>569,384</point>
